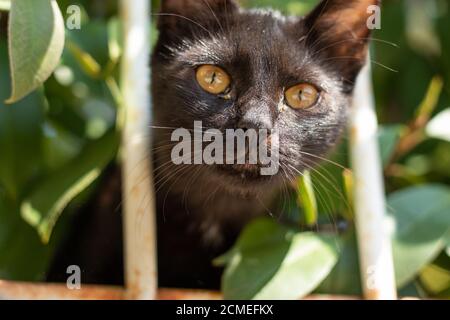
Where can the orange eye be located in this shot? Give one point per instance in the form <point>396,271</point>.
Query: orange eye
<point>302,96</point>
<point>213,79</point>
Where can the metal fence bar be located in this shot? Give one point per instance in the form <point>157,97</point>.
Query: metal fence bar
<point>375,252</point>
<point>20,290</point>
<point>43,291</point>
<point>138,193</point>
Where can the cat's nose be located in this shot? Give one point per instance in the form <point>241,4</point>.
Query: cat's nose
<point>254,122</point>
<point>256,118</point>
<point>256,111</point>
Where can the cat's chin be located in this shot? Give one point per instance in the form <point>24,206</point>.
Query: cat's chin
<point>244,178</point>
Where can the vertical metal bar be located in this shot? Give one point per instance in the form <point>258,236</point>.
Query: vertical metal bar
<point>138,193</point>
<point>375,251</point>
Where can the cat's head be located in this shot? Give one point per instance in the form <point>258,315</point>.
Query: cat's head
<point>233,68</point>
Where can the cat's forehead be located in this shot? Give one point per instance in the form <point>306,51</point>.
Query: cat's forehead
<point>262,19</point>
<point>252,35</point>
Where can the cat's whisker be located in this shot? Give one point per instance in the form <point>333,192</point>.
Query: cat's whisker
<point>185,18</point>
<point>292,177</point>
<point>161,168</point>
<point>358,59</point>
<point>165,164</point>
<point>313,27</point>
<point>211,196</point>
<point>349,40</point>
<point>325,201</point>
<point>285,190</point>
<point>319,197</point>
<point>190,182</point>
<point>191,130</point>
<point>349,30</point>
<point>268,211</point>
<point>214,15</point>
<point>187,189</point>
<point>171,185</point>
<point>330,180</point>
<point>323,159</point>
<point>178,171</point>
<point>159,148</point>
<point>167,177</point>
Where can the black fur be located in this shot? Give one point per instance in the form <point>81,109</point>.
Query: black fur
<point>201,209</point>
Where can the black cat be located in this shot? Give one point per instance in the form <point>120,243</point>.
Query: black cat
<point>237,69</point>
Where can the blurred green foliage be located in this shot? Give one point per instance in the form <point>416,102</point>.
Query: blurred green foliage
<point>52,143</point>
<point>55,143</point>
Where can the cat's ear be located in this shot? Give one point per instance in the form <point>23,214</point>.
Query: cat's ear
<point>339,30</point>
<point>184,16</point>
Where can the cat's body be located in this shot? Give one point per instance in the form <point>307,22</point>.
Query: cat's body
<point>202,208</point>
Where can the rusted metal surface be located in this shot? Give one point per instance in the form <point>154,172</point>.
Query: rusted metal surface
<point>186,294</point>
<point>330,297</point>
<point>138,193</point>
<point>375,252</point>
<point>33,291</point>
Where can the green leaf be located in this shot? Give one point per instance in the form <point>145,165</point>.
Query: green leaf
<point>435,279</point>
<point>5,5</point>
<point>23,257</point>
<point>115,45</point>
<point>413,290</point>
<point>421,218</point>
<point>43,206</point>
<point>431,99</point>
<point>92,46</point>
<point>59,146</point>
<point>388,137</point>
<point>349,184</point>
<point>307,199</point>
<point>270,261</point>
<point>345,278</point>
<point>20,135</point>
<point>86,61</point>
<point>421,221</point>
<point>419,29</point>
<point>329,185</point>
<point>36,42</point>
<point>439,127</point>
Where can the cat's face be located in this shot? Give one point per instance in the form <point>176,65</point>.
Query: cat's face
<point>233,68</point>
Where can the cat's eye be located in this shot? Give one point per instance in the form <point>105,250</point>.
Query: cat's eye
<point>213,79</point>
<point>302,96</point>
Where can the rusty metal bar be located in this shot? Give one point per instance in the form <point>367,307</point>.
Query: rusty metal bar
<point>375,252</point>
<point>20,290</point>
<point>35,291</point>
<point>138,194</point>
